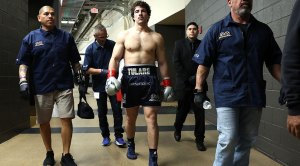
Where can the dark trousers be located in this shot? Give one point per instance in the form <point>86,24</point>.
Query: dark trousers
<point>117,115</point>
<point>185,103</point>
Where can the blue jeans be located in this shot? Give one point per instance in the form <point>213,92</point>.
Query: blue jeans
<point>238,130</point>
<point>102,115</point>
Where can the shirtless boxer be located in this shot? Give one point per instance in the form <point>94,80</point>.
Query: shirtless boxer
<point>141,47</point>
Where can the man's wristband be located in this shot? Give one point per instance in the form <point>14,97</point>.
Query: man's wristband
<point>100,71</point>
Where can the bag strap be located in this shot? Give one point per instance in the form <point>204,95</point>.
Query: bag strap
<point>82,97</point>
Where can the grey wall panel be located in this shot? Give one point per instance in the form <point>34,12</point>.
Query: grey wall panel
<point>14,112</point>
<point>170,33</point>
<point>273,140</point>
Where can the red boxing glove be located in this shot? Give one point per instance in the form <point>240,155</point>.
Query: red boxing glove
<point>166,82</point>
<point>111,73</point>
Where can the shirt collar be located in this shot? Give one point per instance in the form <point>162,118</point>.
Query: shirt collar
<point>46,33</point>
<point>98,45</point>
<point>189,41</point>
<point>229,21</point>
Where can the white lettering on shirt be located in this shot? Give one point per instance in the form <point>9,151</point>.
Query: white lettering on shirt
<point>223,35</point>
<point>38,43</point>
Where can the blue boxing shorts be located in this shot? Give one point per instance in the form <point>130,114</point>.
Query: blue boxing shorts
<point>140,86</point>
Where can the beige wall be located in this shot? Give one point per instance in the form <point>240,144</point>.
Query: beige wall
<point>115,22</point>
<point>161,9</point>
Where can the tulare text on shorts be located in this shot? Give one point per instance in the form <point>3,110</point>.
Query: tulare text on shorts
<point>139,71</point>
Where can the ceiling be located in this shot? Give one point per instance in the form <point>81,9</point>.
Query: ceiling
<point>70,11</point>
<point>78,17</point>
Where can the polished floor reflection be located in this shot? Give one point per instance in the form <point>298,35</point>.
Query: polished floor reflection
<point>26,149</point>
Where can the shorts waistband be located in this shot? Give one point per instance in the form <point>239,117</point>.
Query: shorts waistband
<point>140,70</point>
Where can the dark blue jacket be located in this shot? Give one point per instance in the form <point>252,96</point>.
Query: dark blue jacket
<point>291,63</point>
<point>185,67</point>
<point>238,58</point>
<point>49,55</point>
<point>98,57</point>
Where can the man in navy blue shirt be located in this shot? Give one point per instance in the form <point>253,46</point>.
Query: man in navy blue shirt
<point>290,72</point>
<point>48,53</point>
<point>96,62</point>
<point>237,47</point>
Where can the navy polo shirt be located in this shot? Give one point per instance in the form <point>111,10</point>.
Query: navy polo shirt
<point>98,57</point>
<point>49,55</point>
<point>238,58</point>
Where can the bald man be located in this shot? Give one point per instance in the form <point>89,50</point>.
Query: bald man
<point>47,53</point>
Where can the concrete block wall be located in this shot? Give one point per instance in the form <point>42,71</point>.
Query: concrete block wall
<point>17,18</point>
<point>14,112</point>
<point>273,140</point>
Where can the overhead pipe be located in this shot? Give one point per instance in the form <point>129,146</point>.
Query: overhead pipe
<point>109,5</point>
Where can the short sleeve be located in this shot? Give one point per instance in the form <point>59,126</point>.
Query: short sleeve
<point>206,50</point>
<point>24,55</point>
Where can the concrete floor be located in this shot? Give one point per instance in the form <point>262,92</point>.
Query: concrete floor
<point>26,149</point>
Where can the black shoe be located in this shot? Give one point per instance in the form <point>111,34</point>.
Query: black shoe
<point>131,151</point>
<point>177,135</point>
<point>153,160</point>
<point>200,146</point>
<point>49,160</point>
<point>67,160</point>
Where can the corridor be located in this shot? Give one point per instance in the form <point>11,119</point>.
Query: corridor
<point>26,149</point>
